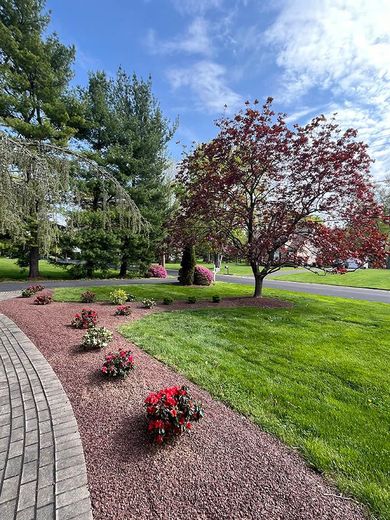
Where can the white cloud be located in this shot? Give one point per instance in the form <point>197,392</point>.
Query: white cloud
<point>343,48</point>
<point>195,6</point>
<point>207,80</point>
<point>194,41</point>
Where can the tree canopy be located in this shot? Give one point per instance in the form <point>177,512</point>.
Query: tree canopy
<point>277,195</point>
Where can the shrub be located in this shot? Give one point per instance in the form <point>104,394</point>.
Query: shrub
<point>157,271</point>
<point>167,300</point>
<point>341,270</point>
<point>88,297</point>
<point>186,271</point>
<point>118,364</point>
<point>32,289</point>
<point>43,299</point>
<point>84,320</point>
<point>148,303</point>
<point>170,412</point>
<point>131,298</point>
<point>123,310</point>
<point>203,276</point>
<point>216,299</point>
<point>96,337</point>
<point>191,299</point>
<point>118,297</point>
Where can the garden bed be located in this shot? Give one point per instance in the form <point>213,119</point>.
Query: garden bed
<point>228,468</point>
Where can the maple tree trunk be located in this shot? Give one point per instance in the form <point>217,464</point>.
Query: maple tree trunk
<point>34,262</point>
<point>258,286</point>
<point>124,267</point>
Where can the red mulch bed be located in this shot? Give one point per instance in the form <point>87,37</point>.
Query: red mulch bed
<point>227,469</point>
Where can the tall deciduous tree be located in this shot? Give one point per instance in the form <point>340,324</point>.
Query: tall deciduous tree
<point>259,184</point>
<point>34,75</point>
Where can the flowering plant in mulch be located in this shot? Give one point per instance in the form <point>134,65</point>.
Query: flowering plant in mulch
<point>118,297</point>
<point>167,300</point>
<point>43,299</point>
<point>148,303</point>
<point>123,310</point>
<point>96,337</point>
<point>131,298</point>
<point>88,297</point>
<point>170,412</point>
<point>157,271</point>
<point>84,320</point>
<point>341,270</point>
<point>202,275</point>
<point>118,364</point>
<point>216,299</point>
<point>32,289</point>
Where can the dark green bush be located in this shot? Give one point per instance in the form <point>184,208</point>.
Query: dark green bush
<point>216,299</point>
<point>191,299</point>
<point>167,300</point>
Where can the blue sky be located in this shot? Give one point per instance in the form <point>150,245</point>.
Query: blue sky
<point>317,56</point>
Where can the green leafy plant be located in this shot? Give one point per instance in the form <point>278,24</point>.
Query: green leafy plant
<point>118,297</point>
<point>148,303</point>
<point>167,300</point>
<point>131,298</point>
<point>191,299</point>
<point>216,299</point>
<point>96,337</point>
<point>88,297</point>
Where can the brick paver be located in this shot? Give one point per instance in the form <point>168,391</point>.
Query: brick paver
<point>42,466</point>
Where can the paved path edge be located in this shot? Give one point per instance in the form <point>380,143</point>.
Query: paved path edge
<point>42,466</point>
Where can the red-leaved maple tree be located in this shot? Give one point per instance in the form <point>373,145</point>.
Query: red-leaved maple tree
<point>280,195</point>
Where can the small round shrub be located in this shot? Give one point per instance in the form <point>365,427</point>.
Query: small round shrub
<point>191,299</point>
<point>203,276</point>
<point>157,271</point>
<point>216,299</point>
<point>167,300</point>
<point>88,297</point>
<point>43,299</point>
<point>31,290</point>
<point>170,412</point>
<point>123,310</point>
<point>148,303</point>
<point>118,364</point>
<point>118,297</point>
<point>85,319</point>
<point>131,298</point>
<point>96,337</point>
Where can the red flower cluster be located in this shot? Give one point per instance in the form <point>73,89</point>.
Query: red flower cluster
<point>123,310</point>
<point>170,413</point>
<point>43,299</point>
<point>88,318</point>
<point>118,364</point>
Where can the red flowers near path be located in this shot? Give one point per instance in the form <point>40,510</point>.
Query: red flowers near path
<point>43,299</point>
<point>88,318</point>
<point>170,412</point>
<point>123,310</point>
<point>118,364</point>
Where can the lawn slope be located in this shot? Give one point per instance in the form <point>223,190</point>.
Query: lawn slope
<point>316,375</point>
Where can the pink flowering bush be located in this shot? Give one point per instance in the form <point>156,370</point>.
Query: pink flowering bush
<point>202,275</point>
<point>43,299</point>
<point>157,271</point>
<point>118,364</point>
<point>87,318</point>
<point>123,310</point>
<point>170,412</point>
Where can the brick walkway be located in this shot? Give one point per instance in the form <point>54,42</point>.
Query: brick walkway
<point>42,468</point>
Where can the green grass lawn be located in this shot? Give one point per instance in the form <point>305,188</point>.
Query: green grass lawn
<point>9,270</point>
<point>370,278</point>
<point>316,375</point>
<point>157,291</point>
